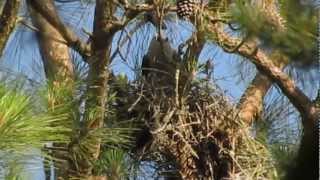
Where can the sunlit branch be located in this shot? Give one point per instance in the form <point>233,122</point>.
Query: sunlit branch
<point>266,66</point>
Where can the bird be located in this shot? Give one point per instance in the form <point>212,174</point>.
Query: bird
<point>159,59</point>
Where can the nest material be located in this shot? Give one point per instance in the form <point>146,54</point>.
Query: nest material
<point>198,128</point>
<point>203,133</point>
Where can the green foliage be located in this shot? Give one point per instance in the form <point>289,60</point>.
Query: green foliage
<point>113,163</point>
<point>251,18</point>
<point>283,155</point>
<point>26,127</point>
<point>51,115</point>
<point>275,129</point>
<point>68,100</point>
<point>301,39</point>
<point>12,171</point>
<point>297,37</point>
<point>21,128</point>
<point>55,115</point>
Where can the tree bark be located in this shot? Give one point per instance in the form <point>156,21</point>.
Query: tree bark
<point>8,21</point>
<point>57,64</point>
<point>103,31</point>
<point>307,160</point>
<point>55,54</point>
<point>251,103</point>
<point>98,60</point>
<point>69,37</point>
<point>306,165</point>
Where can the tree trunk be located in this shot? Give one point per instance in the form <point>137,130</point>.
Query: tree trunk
<point>97,89</point>
<point>306,165</point>
<point>8,21</point>
<point>55,54</point>
<point>251,103</point>
<point>57,65</point>
<point>48,11</point>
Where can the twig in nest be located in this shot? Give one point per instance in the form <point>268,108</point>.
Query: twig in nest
<point>189,124</point>
<point>177,85</point>
<point>187,145</point>
<point>166,120</point>
<point>138,100</point>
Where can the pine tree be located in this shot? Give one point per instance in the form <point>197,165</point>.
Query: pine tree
<point>167,113</point>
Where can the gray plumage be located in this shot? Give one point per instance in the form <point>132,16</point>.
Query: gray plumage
<point>159,59</point>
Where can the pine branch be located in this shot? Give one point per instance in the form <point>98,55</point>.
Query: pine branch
<point>266,66</point>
